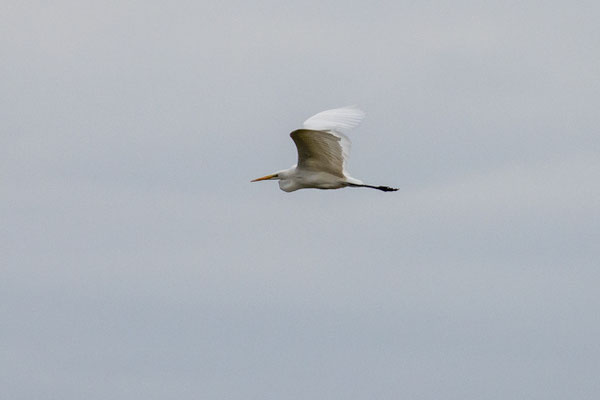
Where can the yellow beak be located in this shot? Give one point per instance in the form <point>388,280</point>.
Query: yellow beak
<point>264,178</point>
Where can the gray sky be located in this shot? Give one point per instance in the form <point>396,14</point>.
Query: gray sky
<point>138,262</point>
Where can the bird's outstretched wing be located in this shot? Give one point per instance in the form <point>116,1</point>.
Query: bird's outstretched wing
<point>322,145</point>
<point>319,151</point>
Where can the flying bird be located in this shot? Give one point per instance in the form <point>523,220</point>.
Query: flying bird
<point>323,151</point>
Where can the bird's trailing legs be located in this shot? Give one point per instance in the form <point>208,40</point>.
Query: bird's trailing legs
<point>382,188</point>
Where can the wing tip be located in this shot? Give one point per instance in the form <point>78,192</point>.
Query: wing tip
<point>336,119</point>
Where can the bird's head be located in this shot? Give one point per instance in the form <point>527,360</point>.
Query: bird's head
<point>284,174</point>
<point>287,178</point>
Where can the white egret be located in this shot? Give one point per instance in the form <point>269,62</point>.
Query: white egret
<point>323,150</point>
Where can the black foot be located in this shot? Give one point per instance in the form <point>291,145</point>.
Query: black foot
<point>386,188</point>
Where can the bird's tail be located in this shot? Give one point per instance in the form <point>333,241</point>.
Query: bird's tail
<point>382,188</point>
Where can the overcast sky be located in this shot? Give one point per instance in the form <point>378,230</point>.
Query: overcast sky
<point>138,262</point>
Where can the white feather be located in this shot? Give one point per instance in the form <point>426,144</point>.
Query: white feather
<point>338,120</point>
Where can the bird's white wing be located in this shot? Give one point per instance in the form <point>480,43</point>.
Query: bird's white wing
<point>319,151</point>
<point>333,123</point>
<point>338,120</point>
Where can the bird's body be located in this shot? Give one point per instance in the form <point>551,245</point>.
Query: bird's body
<point>323,149</point>
<point>297,178</point>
